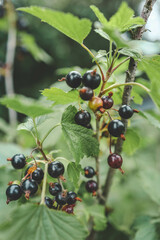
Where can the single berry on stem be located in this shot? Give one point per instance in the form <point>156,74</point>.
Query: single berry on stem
<point>91,79</point>
<point>13,192</point>
<point>108,101</point>
<point>73,79</point>
<point>54,188</point>
<point>48,202</point>
<point>125,111</point>
<point>29,187</point>
<point>72,198</point>
<point>56,169</point>
<point>82,118</point>
<point>115,161</point>
<point>91,187</point>
<point>18,161</point>
<point>95,103</point>
<point>89,172</point>
<point>61,198</point>
<point>38,174</point>
<point>116,128</point>
<point>69,209</point>
<point>86,93</point>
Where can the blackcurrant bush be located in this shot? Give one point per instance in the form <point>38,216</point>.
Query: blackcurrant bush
<point>55,188</point>
<point>115,160</point>
<point>13,192</point>
<point>82,118</point>
<point>71,197</point>
<point>116,128</point>
<point>91,186</point>
<point>89,172</point>
<point>91,79</point>
<point>29,187</point>
<point>49,202</point>
<point>18,161</point>
<point>107,102</point>
<point>125,111</point>
<point>61,198</point>
<point>86,93</point>
<point>73,79</point>
<point>55,169</point>
<point>95,103</point>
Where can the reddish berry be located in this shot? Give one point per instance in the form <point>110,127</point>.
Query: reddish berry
<point>91,186</point>
<point>95,103</point>
<point>86,93</point>
<point>107,102</point>
<point>115,160</point>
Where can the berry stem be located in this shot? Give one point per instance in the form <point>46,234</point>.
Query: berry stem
<point>57,125</point>
<point>92,55</point>
<point>44,185</point>
<point>125,60</point>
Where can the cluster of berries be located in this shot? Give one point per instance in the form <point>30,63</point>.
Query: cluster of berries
<point>116,128</point>
<point>91,185</point>
<point>33,176</point>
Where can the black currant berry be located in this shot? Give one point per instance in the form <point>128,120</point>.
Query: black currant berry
<point>55,188</point>
<point>91,186</point>
<point>107,102</point>
<point>91,79</point>
<point>74,79</point>
<point>116,128</point>
<point>125,111</point>
<point>55,169</point>
<point>38,174</point>
<point>71,197</point>
<point>89,172</point>
<point>86,93</point>
<point>115,160</point>
<point>18,161</point>
<point>68,209</point>
<point>82,118</point>
<point>29,187</point>
<point>61,198</point>
<point>13,192</point>
<point>49,202</point>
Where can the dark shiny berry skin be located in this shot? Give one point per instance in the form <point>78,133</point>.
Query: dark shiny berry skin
<point>69,209</point>
<point>18,161</point>
<point>91,186</point>
<point>115,160</point>
<point>38,174</point>
<point>86,93</point>
<point>116,128</point>
<point>61,198</point>
<point>82,118</point>
<point>107,102</point>
<point>55,169</point>
<point>13,192</point>
<point>91,79</point>
<point>55,188</point>
<point>126,112</point>
<point>48,202</point>
<point>71,197</point>
<point>89,172</point>
<point>73,79</point>
<point>30,186</point>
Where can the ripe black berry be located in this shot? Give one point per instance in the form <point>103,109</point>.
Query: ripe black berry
<point>55,169</point>
<point>38,174</point>
<point>18,161</point>
<point>125,111</point>
<point>74,79</point>
<point>91,79</point>
<point>107,102</point>
<point>89,172</point>
<point>61,198</point>
<point>86,93</point>
<point>55,188</point>
<point>71,197</point>
<point>82,118</point>
<point>48,202</point>
<point>13,192</point>
<point>115,160</point>
<point>91,186</point>
<point>116,128</point>
<point>29,187</point>
<point>68,209</point>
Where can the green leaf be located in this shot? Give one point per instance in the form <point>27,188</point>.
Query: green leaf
<point>136,97</point>
<point>25,105</point>
<point>58,96</point>
<point>99,15</point>
<point>124,19</point>
<point>132,142</point>
<point>80,139</point>
<point>73,27</point>
<point>39,223</point>
<point>102,34</point>
<point>131,53</point>
<point>73,171</point>
<point>151,65</point>
<point>30,44</point>
<point>99,218</point>
<point>153,119</point>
